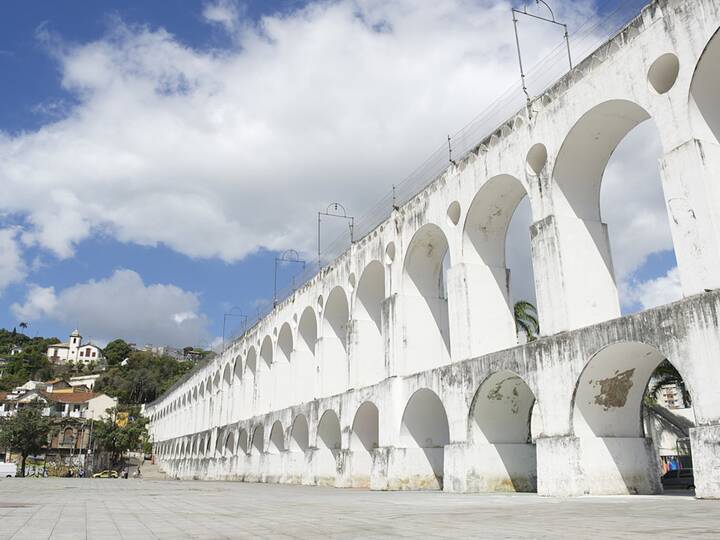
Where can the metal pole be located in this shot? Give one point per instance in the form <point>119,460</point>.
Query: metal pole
<point>522,72</point>
<point>567,42</point>
<point>319,262</point>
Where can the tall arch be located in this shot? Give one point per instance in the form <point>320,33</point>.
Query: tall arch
<point>587,293</point>
<point>333,343</point>
<point>238,367</point>
<point>277,439</point>
<point>285,343</point>
<point>499,432</point>
<point>364,439</point>
<point>256,446</point>
<point>368,354</point>
<point>305,363</point>
<point>251,361</point>
<point>328,434</point>
<point>616,457</point>
<point>230,444</point>
<point>266,353</point>
<point>705,92</point>
<point>328,445</point>
<point>243,441</point>
<point>227,375</point>
<point>425,431</point>
<point>485,276</point>
<point>425,308</point>
<point>299,437</point>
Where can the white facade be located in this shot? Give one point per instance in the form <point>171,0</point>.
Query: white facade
<point>75,351</point>
<point>372,374</point>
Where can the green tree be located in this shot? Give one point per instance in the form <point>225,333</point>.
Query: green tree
<point>143,378</point>
<point>526,319</point>
<point>26,433</point>
<point>116,351</point>
<point>123,430</point>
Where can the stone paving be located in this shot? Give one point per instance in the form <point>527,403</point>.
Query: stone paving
<point>35,508</point>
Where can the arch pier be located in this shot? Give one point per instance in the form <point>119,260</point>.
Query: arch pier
<point>398,366</point>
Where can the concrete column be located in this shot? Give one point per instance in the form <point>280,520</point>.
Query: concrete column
<point>573,271</point>
<point>572,466</point>
<point>481,320</point>
<point>392,336</point>
<point>691,177</point>
<point>705,444</point>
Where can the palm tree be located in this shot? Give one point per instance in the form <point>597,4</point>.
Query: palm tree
<point>23,325</point>
<point>526,319</point>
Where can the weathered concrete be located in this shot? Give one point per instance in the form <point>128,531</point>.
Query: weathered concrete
<point>398,365</point>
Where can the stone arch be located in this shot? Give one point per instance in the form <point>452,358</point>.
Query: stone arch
<point>243,441</point>
<point>227,375</point>
<point>705,92</point>
<point>216,381</point>
<point>592,292</point>
<point>251,361</point>
<point>276,443</point>
<point>230,444</point>
<point>369,351</point>
<point>285,343</point>
<point>615,455</point>
<point>238,367</point>
<point>266,352</point>
<point>333,343</point>
<point>499,430</point>
<point>486,274</point>
<point>307,332</point>
<point>425,431</point>
<point>299,436</point>
<point>427,326</point>
<point>328,432</point>
<point>365,428</point>
<point>256,446</point>
<point>328,444</point>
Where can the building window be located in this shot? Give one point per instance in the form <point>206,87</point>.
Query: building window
<point>68,437</point>
<point>93,354</point>
<point>81,353</point>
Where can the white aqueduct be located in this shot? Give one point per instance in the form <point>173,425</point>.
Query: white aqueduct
<point>373,375</point>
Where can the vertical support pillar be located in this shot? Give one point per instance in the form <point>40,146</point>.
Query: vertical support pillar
<point>573,271</point>
<point>481,320</point>
<point>690,174</point>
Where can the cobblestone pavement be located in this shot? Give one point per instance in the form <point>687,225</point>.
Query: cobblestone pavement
<point>36,508</point>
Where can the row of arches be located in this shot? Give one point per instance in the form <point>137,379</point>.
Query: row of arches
<point>502,423</point>
<point>577,175</point>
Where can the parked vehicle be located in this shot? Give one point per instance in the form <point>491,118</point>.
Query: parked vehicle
<point>106,474</point>
<point>678,479</point>
<point>8,470</point>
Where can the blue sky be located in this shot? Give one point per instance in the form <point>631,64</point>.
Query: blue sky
<point>163,153</point>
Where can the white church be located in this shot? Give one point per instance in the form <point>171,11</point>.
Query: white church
<point>74,351</point>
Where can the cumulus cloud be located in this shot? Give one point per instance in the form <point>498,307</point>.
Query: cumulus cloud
<point>218,153</point>
<point>12,265</point>
<point>121,306</point>
<point>654,292</point>
<point>223,12</point>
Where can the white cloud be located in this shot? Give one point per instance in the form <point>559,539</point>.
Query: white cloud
<point>121,306</point>
<point>223,12</point>
<point>217,153</point>
<point>12,265</point>
<point>654,292</point>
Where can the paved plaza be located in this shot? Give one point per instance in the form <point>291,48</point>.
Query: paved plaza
<point>145,509</point>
